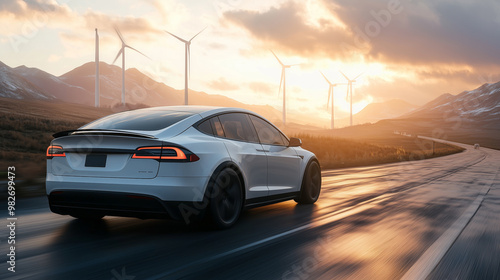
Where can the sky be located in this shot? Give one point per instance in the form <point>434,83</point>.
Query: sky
<point>403,49</point>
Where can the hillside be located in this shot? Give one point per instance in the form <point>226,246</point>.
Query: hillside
<point>78,86</point>
<point>375,112</point>
<point>17,87</point>
<point>469,117</point>
<point>480,106</point>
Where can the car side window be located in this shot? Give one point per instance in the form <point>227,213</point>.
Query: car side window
<point>217,127</point>
<point>206,127</point>
<point>267,133</point>
<point>285,140</point>
<point>237,126</point>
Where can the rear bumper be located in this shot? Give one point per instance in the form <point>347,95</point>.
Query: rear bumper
<point>172,188</point>
<point>67,202</point>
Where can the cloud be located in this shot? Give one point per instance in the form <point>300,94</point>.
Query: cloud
<point>33,9</point>
<point>263,88</point>
<point>223,85</point>
<point>423,32</point>
<point>287,28</point>
<point>26,18</point>
<point>397,31</point>
<point>54,58</point>
<point>128,25</point>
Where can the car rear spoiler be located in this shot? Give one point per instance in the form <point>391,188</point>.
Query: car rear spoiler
<point>101,132</point>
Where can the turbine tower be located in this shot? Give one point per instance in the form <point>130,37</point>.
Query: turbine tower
<point>349,90</point>
<point>283,81</point>
<point>96,69</point>
<point>330,93</point>
<point>187,61</point>
<point>122,52</point>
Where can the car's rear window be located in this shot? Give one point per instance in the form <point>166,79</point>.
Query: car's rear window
<point>139,120</point>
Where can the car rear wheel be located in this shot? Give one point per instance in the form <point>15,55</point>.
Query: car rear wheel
<point>226,199</point>
<point>311,184</point>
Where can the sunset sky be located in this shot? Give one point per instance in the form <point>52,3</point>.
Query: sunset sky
<point>411,50</point>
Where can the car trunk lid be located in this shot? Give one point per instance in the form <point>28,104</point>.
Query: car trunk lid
<point>104,154</point>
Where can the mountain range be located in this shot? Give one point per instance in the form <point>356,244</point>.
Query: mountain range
<point>468,117</point>
<point>377,111</point>
<point>478,108</point>
<point>77,86</point>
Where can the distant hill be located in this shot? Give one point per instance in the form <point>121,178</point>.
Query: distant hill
<point>15,86</point>
<point>55,86</point>
<point>78,86</point>
<point>391,109</point>
<point>479,107</point>
<point>469,117</point>
<point>472,116</point>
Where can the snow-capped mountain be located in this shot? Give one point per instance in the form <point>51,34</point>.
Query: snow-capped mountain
<point>17,87</point>
<point>55,86</point>
<point>478,105</point>
<point>78,85</point>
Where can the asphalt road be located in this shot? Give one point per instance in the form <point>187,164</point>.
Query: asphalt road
<point>434,219</point>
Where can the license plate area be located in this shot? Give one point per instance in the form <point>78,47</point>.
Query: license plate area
<point>96,160</point>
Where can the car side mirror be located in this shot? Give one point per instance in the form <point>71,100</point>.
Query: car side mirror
<point>295,142</point>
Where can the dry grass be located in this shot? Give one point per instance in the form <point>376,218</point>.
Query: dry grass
<point>335,152</point>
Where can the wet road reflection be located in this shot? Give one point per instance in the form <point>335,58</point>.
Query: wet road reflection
<point>370,222</point>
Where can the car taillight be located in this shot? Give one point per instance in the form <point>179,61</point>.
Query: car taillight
<point>55,151</point>
<point>165,154</point>
<point>148,152</point>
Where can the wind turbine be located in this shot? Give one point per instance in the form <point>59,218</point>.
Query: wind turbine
<point>187,62</point>
<point>349,89</point>
<point>122,52</point>
<point>283,81</point>
<point>330,93</point>
<point>96,69</point>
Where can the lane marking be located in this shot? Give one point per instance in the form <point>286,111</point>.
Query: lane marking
<point>428,261</point>
<point>341,214</point>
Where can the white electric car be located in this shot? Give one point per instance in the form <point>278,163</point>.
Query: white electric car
<point>179,162</point>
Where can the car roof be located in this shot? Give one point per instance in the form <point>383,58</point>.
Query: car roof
<point>203,111</point>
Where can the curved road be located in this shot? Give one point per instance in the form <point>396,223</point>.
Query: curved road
<point>434,219</point>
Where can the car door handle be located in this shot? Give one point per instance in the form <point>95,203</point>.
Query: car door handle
<point>261,150</point>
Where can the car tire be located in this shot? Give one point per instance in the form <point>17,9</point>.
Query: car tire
<point>311,184</point>
<point>226,199</point>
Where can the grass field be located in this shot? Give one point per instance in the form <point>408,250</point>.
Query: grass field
<point>26,129</point>
<point>338,152</point>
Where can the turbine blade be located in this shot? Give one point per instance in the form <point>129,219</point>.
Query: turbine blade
<point>127,46</point>
<point>119,34</point>
<point>277,58</point>
<point>179,38</point>
<point>281,80</point>
<point>325,78</point>
<point>118,55</point>
<point>198,33</point>
<point>344,75</point>
<point>359,75</point>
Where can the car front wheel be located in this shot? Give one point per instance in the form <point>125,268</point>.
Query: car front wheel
<point>311,184</point>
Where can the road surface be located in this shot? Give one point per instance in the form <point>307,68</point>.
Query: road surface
<point>434,219</point>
